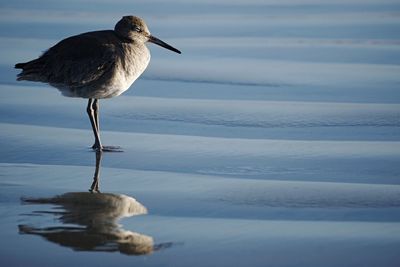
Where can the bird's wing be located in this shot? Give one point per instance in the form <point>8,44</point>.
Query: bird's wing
<point>80,60</point>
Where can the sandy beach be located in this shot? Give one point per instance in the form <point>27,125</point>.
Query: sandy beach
<point>273,140</point>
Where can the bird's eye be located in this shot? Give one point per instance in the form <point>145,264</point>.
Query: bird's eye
<point>137,29</point>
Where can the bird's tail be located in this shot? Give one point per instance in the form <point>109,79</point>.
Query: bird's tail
<point>31,71</point>
<point>20,65</point>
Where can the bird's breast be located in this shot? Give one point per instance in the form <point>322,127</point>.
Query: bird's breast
<point>131,63</point>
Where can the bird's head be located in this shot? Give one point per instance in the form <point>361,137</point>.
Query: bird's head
<point>135,29</point>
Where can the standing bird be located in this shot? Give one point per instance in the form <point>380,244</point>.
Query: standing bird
<point>95,65</point>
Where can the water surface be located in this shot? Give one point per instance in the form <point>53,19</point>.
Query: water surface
<point>273,139</point>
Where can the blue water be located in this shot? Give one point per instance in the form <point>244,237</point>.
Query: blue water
<point>273,139</point>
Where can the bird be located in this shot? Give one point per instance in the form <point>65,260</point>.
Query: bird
<point>95,65</point>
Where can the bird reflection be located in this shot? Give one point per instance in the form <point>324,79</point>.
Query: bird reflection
<point>94,188</point>
<point>89,221</point>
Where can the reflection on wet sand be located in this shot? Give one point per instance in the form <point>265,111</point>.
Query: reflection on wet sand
<point>89,221</point>
<point>94,188</point>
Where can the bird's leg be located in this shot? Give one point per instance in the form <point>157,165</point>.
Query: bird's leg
<point>91,107</point>
<point>94,188</point>
<point>93,111</point>
<point>95,107</point>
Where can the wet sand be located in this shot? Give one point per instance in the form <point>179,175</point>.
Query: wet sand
<point>272,141</point>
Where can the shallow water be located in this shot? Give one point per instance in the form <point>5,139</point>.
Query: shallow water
<point>274,139</point>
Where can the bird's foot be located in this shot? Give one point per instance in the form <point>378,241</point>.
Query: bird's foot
<point>94,190</point>
<point>107,148</point>
<point>112,149</point>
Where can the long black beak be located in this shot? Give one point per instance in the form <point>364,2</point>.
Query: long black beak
<point>157,41</point>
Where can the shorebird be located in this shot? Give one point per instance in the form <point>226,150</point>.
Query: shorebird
<point>95,65</point>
